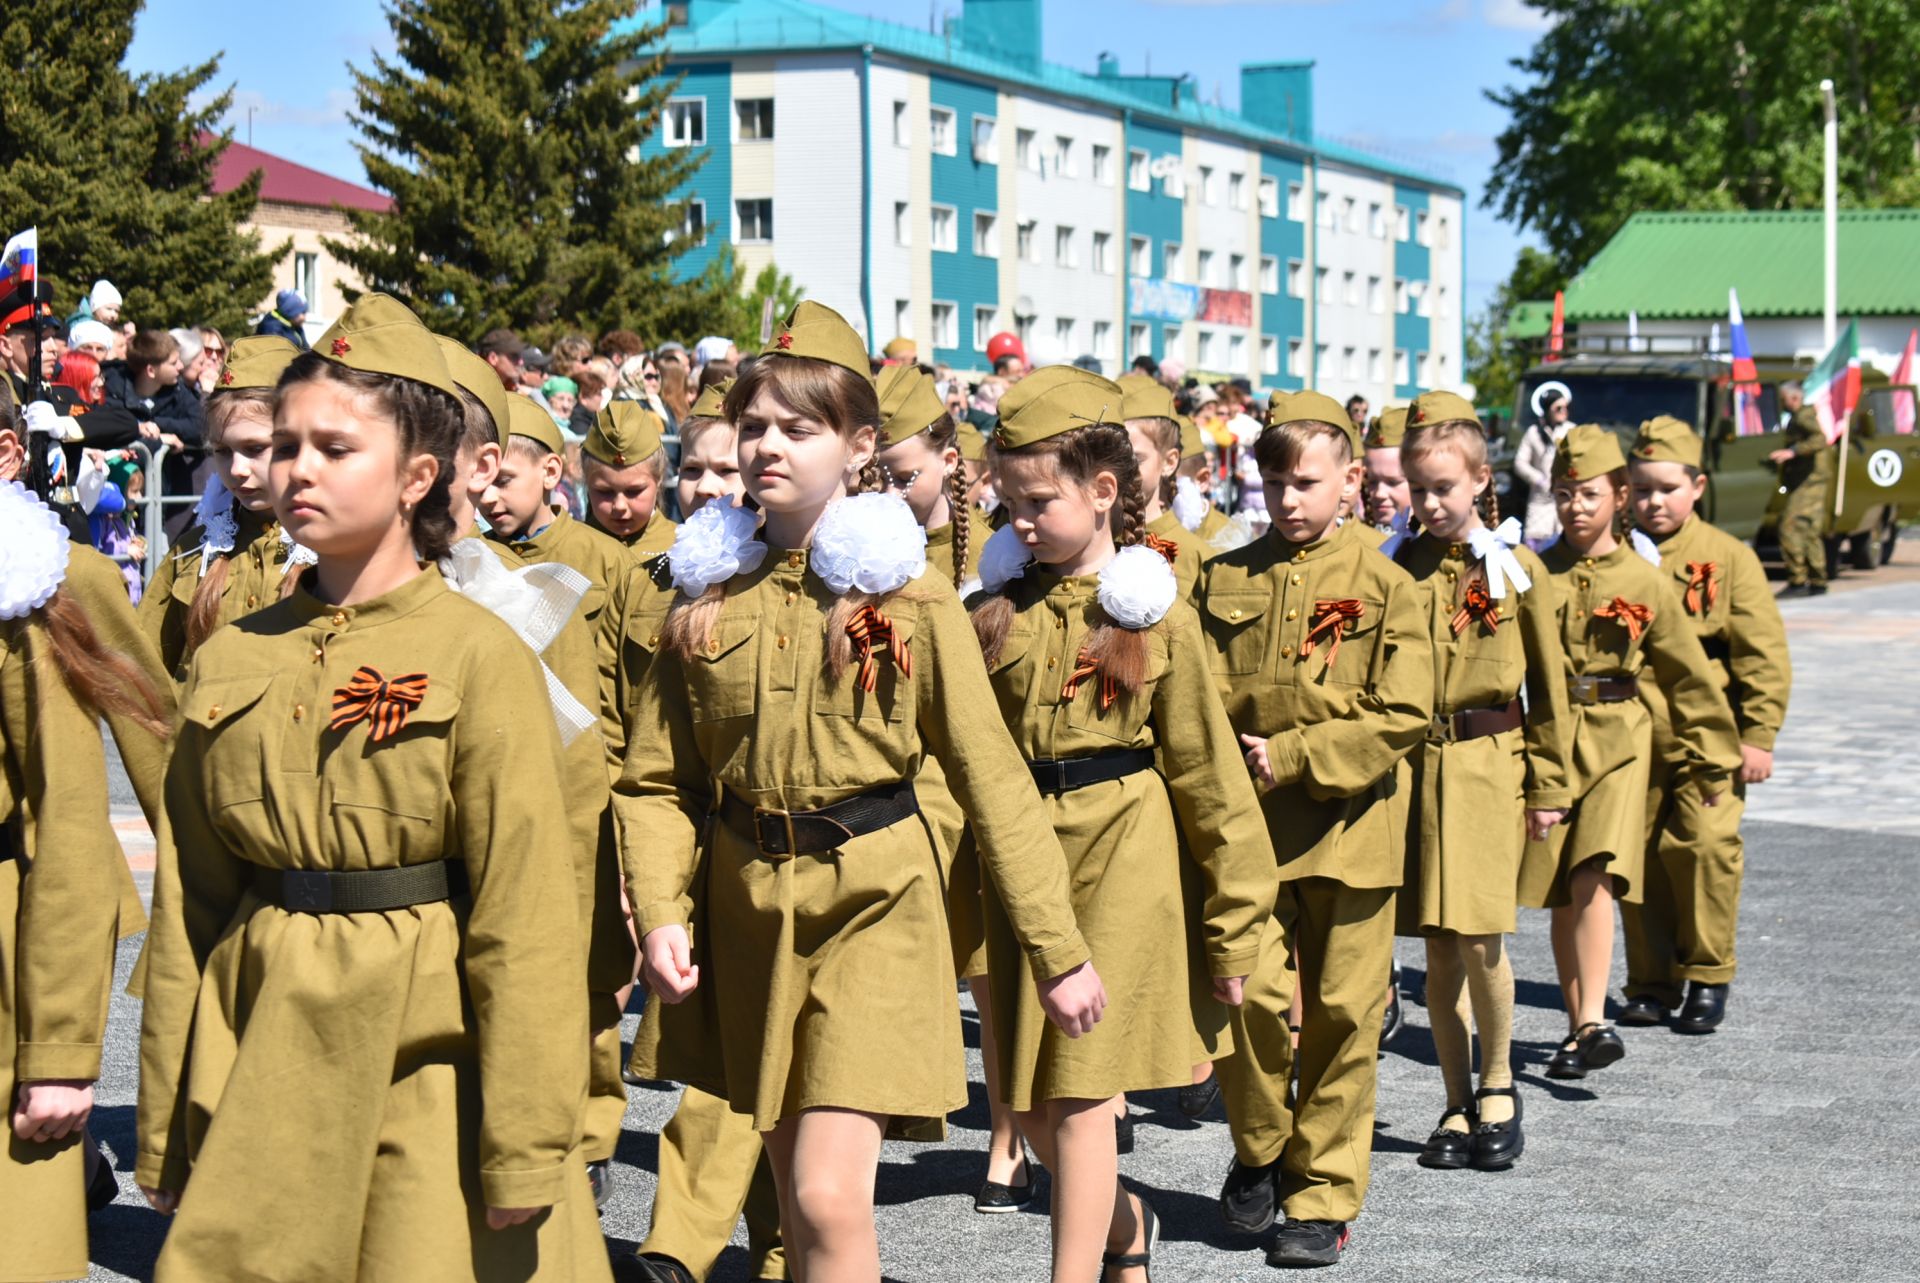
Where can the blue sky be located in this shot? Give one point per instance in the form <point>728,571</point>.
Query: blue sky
<point>1403,79</point>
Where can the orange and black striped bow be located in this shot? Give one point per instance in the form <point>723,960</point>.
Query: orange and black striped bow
<point>1703,585</point>
<point>1084,667</point>
<point>1165,547</point>
<point>1476,604</point>
<point>870,629</point>
<point>369,697</point>
<point>1633,616</point>
<point>1332,620</point>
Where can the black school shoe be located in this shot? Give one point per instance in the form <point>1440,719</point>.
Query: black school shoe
<point>1305,1244</point>
<point>1496,1146</point>
<point>1197,1098</point>
<point>1250,1198</point>
<point>1642,1011</point>
<point>1448,1150</point>
<point>1592,1046</point>
<point>995,1199</point>
<point>1706,1007</point>
<point>105,1186</point>
<point>1394,1019</point>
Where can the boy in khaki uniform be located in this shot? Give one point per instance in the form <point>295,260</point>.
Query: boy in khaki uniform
<point>1682,933</point>
<point>1321,650</point>
<point>623,463</point>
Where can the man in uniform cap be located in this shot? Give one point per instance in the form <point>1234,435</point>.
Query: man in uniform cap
<point>1680,936</point>
<point>1806,465</point>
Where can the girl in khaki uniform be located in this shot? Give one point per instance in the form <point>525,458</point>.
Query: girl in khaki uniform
<point>800,683</point>
<point>1102,674</point>
<point>1487,775</point>
<point>61,867</point>
<point>222,568</point>
<point>1153,427</point>
<point>366,890</point>
<point>1619,624</point>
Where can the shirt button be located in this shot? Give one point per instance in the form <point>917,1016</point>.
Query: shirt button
<point>1296,579</point>
<point>1450,576</point>
<point>253,599</point>
<point>1235,614</point>
<point>654,640</point>
<point>213,712</point>
<point>339,619</point>
<point>1300,556</point>
<point>713,646</point>
<point>792,597</point>
<point>782,642</point>
<point>793,560</point>
<point>1052,663</point>
<point>319,655</point>
<point>299,711</point>
<point>1291,614</point>
<point>1286,652</point>
<point>1579,614</point>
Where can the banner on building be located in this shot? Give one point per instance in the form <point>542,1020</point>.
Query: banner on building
<point>1170,301</point>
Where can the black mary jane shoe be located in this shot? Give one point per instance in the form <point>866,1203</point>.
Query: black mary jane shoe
<point>1642,1011</point>
<point>995,1199</point>
<point>1448,1150</point>
<point>1123,1133</point>
<point>1600,1046</point>
<point>1496,1146</point>
<point>1197,1098</point>
<point>1566,1062</point>
<point>1706,1007</point>
<point>1150,1224</point>
<point>104,1186</point>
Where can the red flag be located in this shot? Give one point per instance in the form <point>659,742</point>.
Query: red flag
<point>1558,334</point>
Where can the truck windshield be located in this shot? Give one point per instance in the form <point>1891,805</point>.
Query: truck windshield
<point>1623,402</point>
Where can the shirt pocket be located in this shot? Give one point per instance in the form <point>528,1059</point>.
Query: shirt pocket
<point>638,649</point>
<point>392,801</point>
<point>723,676</point>
<point>235,748</point>
<point>1237,631</point>
<point>893,691</point>
<point>1353,663</point>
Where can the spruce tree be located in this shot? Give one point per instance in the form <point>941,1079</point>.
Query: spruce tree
<point>116,171</point>
<point>508,132</point>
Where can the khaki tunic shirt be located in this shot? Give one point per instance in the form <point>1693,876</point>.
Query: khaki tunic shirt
<point>253,581</point>
<point>655,537</point>
<point>1813,455</point>
<point>1724,591</point>
<point>1192,551</point>
<point>491,982</point>
<point>1337,723</point>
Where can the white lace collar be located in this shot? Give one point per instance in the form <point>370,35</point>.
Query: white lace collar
<point>35,564</point>
<point>219,523</point>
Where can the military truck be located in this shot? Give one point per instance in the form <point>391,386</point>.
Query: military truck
<point>1622,389</point>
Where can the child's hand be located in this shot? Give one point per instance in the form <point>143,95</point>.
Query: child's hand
<point>499,1218</point>
<point>1756,764</point>
<point>1257,760</point>
<point>668,968</point>
<point>1538,822</point>
<point>164,1201</point>
<point>1074,1000</point>
<point>48,1111</point>
<point>1231,990</point>
<point>1709,797</point>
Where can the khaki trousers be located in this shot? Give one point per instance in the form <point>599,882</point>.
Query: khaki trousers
<point>1683,929</point>
<point>1324,1138</point>
<point>712,1167</point>
<point>606,1109</point>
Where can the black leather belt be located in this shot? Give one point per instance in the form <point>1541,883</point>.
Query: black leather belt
<point>1064,775</point>
<point>360,890</point>
<point>789,833</point>
<point>1602,690</point>
<point>1476,723</point>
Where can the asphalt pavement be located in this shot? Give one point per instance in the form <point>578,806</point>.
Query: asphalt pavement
<point>1783,1146</point>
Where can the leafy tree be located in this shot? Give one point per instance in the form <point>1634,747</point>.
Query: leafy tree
<point>1703,105</point>
<point>508,133</point>
<point>116,170</point>
<point>1494,362</point>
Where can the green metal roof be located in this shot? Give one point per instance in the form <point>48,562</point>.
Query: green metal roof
<point>792,26</point>
<point>1682,265</point>
<point>1530,319</point>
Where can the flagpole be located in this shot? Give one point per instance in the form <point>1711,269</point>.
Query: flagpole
<point>1832,214</point>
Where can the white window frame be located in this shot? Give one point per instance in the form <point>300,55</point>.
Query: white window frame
<point>1063,330</point>
<point>1296,202</point>
<point>1269,274</point>
<point>1236,352</point>
<point>1102,164</point>
<point>1323,285</point>
<point>1063,156</point>
<point>1026,246</point>
<point>1402,299</point>
<point>1209,189</point>
<point>1102,343</point>
<point>981,333</point>
<point>1442,234</point>
<point>1269,197</point>
<point>1203,268</point>
<point>1174,184</point>
<point>687,223</point>
<point>1139,170</point>
<point>1205,352</point>
<point>1103,253</point>
<point>1063,239</point>
<point>1026,150</point>
<point>903,318</point>
<point>1402,223</point>
<point>738,133</point>
<point>1376,366</point>
<point>986,244</point>
<point>1376,220</point>
<point>1140,256</point>
<point>1170,264</point>
<point>1350,364</point>
<point>902,223</point>
<point>740,236</point>
<point>1349,214</point>
<point>1296,278</point>
<point>949,335</point>
<point>1376,296</point>
<point>902,123</point>
<point>1350,288</point>
<point>934,116</point>
<point>1269,354</point>
<point>950,243</point>
<point>1236,189</point>
<point>668,135</point>
<point>987,151</point>
<point>1323,363</point>
<point>1423,228</point>
<point>1170,339</point>
<point>1296,358</point>
<point>1323,202</point>
<point>1402,371</point>
<point>1139,339</point>
<point>1237,272</point>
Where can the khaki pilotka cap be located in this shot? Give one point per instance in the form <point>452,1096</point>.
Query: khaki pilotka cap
<point>1586,452</point>
<point>973,446</point>
<point>1191,446</point>
<point>1308,406</point>
<point>525,419</point>
<point>377,334</point>
<point>712,404</point>
<point>908,404</point>
<point>1440,407</point>
<point>1145,397</point>
<point>624,433</point>
<point>818,332</point>
<point>1052,400</point>
<point>257,361</point>
<point>1665,439</point>
<point>473,374</point>
<point>1388,431</point>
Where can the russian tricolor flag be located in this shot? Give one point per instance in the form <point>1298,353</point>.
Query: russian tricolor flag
<point>1746,375</point>
<point>19,262</point>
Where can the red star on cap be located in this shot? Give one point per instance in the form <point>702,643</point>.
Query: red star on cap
<point>341,347</point>
<point>784,342</point>
<point>1573,474</point>
<point>226,376</point>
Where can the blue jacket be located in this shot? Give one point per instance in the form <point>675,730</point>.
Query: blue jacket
<point>274,323</point>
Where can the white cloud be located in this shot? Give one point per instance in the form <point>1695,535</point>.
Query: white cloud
<point>1514,15</point>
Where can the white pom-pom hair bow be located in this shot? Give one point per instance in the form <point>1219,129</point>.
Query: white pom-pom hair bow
<point>869,543</point>
<point>1137,588</point>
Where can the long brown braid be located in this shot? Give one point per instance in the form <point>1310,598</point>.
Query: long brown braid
<point>958,517</point>
<point>1119,655</point>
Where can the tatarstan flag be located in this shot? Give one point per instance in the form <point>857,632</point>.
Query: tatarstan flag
<point>1833,389</point>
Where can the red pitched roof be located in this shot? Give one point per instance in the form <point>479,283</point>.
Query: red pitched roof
<point>292,184</point>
